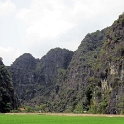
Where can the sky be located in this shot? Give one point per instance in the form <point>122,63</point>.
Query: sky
<point>36,26</point>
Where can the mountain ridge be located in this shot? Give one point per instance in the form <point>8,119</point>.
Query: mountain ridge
<point>88,79</point>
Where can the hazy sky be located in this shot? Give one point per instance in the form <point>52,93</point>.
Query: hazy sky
<point>36,26</point>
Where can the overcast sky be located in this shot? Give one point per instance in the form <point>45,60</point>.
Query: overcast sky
<point>36,26</point>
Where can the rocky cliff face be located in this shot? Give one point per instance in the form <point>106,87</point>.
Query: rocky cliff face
<point>95,75</point>
<point>7,99</point>
<point>22,72</point>
<point>75,94</point>
<point>34,79</point>
<point>111,71</point>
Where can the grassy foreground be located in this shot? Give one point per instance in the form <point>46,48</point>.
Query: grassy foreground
<point>53,119</point>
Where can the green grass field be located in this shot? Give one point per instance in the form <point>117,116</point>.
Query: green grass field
<point>48,119</point>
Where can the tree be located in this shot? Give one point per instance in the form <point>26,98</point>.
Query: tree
<point>28,109</point>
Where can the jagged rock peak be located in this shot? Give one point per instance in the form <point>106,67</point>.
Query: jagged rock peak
<point>59,57</point>
<point>26,56</point>
<point>24,61</point>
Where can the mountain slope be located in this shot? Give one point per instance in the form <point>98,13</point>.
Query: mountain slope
<point>90,79</point>
<point>72,96</point>
<point>22,76</point>
<point>111,70</point>
<point>7,99</point>
<point>34,79</point>
<point>95,75</point>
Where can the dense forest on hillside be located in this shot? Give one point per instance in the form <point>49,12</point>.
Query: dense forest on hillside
<point>7,98</point>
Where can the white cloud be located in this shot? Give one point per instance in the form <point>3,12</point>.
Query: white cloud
<point>8,54</point>
<point>6,8</point>
<point>47,19</point>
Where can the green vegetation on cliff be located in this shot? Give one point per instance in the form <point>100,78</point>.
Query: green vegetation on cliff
<point>89,80</point>
<point>6,90</point>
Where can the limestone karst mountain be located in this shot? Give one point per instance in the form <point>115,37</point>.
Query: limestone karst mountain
<point>89,79</point>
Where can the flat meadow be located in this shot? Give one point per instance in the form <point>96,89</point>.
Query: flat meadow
<point>58,119</point>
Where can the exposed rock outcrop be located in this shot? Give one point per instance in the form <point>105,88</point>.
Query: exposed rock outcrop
<point>34,79</point>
